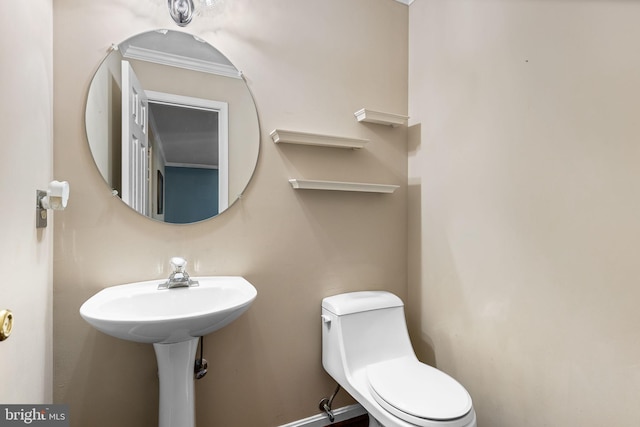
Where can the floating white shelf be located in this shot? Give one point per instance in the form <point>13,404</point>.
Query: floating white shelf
<point>308,184</point>
<point>380,118</point>
<point>304,138</point>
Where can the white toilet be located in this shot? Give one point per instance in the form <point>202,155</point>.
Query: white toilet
<point>366,349</point>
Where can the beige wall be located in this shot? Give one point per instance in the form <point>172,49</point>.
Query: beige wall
<point>26,164</point>
<point>310,65</point>
<point>524,205</point>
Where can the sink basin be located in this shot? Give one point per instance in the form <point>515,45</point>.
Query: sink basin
<point>141,312</point>
<point>171,320</point>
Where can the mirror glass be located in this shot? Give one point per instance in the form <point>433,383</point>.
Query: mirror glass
<point>172,127</point>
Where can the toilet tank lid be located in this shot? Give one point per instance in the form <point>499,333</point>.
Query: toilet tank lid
<point>356,302</point>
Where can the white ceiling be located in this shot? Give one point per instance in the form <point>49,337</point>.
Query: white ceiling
<point>188,136</point>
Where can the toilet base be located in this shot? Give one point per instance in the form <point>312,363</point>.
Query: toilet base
<point>373,422</point>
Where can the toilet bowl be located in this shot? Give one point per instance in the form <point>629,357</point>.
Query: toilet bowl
<point>366,349</point>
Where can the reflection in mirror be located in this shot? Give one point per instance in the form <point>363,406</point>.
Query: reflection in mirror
<point>172,127</point>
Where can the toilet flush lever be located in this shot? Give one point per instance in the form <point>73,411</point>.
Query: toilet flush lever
<point>325,318</point>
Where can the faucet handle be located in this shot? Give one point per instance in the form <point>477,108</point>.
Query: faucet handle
<point>178,264</point>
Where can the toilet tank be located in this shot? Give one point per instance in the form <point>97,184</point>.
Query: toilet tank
<point>361,328</point>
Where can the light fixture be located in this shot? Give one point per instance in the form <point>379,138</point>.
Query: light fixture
<point>181,11</point>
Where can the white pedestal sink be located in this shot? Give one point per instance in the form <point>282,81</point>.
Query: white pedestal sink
<point>172,320</point>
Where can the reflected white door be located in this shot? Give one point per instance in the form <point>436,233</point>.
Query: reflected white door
<point>135,142</point>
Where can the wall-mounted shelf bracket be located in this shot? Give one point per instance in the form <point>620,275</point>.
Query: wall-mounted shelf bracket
<point>305,138</point>
<point>381,118</point>
<point>361,187</point>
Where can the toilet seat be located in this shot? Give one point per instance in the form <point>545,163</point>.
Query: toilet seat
<point>417,393</point>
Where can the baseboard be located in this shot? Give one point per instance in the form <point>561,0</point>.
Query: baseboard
<point>321,420</point>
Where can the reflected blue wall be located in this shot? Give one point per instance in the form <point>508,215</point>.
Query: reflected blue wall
<point>190,194</point>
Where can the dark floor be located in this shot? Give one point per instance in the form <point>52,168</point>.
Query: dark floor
<point>361,421</point>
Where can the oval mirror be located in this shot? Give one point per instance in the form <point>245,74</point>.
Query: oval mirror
<point>172,127</point>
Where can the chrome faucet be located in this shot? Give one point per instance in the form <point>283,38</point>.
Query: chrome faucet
<point>179,278</point>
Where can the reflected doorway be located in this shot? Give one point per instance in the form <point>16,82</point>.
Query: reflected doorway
<point>188,158</point>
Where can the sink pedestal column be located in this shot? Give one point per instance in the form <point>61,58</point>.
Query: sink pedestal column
<point>175,370</point>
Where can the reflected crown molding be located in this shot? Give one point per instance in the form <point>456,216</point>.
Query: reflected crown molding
<point>173,60</point>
